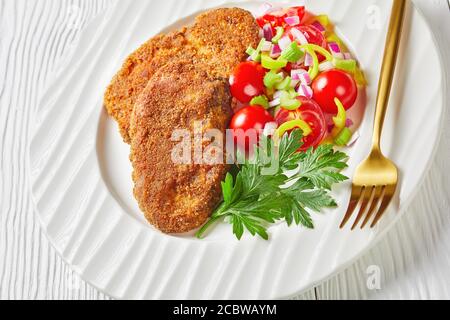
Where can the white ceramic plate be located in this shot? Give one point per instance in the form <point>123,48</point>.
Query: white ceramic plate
<point>81,172</point>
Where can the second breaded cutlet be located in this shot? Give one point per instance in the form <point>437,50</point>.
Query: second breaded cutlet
<point>177,197</point>
<point>221,38</point>
<point>217,40</point>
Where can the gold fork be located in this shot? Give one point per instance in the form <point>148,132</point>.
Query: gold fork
<point>376,178</point>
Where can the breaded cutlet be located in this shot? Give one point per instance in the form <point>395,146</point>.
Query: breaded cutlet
<point>176,197</point>
<point>221,38</point>
<point>217,40</point>
<point>128,83</point>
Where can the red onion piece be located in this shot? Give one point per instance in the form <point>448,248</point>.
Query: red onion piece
<point>275,52</point>
<point>277,94</point>
<point>319,26</point>
<point>295,83</point>
<point>299,36</point>
<point>335,50</point>
<point>295,74</point>
<point>334,47</point>
<point>267,47</point>
<point>284,42</point>
<point>349,123</point>
<point>261,33</point>
<point>330,128</point>
<point>268,32</point>
<point>274,103</point>
<point>305,91</point>
<point>325,66</point>
<point>305,78</point>
<point>309,61</point>
<point>292,21</point>
<point>298,64</point>
<point>348,56</point>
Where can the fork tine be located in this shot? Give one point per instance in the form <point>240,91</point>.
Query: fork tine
<point>356,196</point>
<point>379,195</point>
<point>364,205</point>
<point>384,205</point>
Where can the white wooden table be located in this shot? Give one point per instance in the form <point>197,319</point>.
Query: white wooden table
<point>414,257</point>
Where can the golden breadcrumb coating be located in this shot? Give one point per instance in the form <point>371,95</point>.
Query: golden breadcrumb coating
<point>177,198</point>
<point>128,83</point>
<point>221,38</point>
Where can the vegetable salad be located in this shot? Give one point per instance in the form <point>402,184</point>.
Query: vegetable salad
<point>301,75</point>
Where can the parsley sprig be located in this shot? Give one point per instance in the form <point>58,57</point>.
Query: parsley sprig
<point>253,199</point>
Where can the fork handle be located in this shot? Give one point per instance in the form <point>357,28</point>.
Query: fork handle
<point>388,68</point>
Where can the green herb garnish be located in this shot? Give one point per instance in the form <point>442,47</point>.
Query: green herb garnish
<point>257,196</point>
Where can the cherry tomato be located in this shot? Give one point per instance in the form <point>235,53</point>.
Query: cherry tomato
<point>247,119</point>
<point>311,113</point>
<point>334,84</point>
<point>261,22</point>
<point>308,18</point>
<point>274,19</point>
<point>313,35</point>
<point>247,81</point>
<point>298,11</point>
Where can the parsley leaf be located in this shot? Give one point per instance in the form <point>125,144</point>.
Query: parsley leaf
<point>303,198</point>
<point>257,195</point>
<point>288,156</point>
<point>322,166</point>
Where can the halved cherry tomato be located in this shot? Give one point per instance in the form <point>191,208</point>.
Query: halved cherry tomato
<point>273,19</point>
<point>334,84</point>
<point>249,118</point>
<point>311,113</point>
<point>308,18</point>
<point>276,18</point>
<point>312,34</point>
<point>298,11</point>
<point>247,81</point>
<point>261,22</point>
